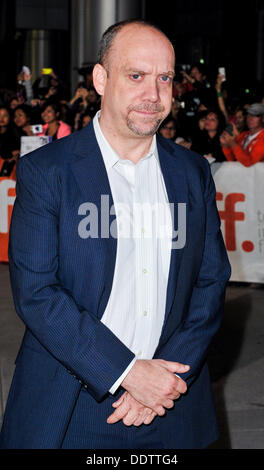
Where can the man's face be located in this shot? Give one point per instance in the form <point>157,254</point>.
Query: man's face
<point>254,122</point>
<point>137,91</point>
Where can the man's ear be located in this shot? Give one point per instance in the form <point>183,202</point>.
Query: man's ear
<point>99,78</point>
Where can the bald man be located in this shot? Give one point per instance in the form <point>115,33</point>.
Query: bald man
<point>120,302</point>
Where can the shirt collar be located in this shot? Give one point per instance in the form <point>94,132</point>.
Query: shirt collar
<point>109,155</point>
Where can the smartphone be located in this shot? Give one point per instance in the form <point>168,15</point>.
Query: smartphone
<point>26,70</point>
<point>229,129</point>
<point>222,71</point>
<point>36,128</point>
<point>47,71</point>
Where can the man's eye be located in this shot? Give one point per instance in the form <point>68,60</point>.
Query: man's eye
<point>135,76</point>
<point>165,78</point>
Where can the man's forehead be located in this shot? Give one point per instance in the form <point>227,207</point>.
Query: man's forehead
<point>135,35</point>
<point>134,49</point>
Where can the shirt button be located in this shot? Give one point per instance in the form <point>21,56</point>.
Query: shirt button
<point>145,313</point>
<point>144,271</point>
<point>139,353</point>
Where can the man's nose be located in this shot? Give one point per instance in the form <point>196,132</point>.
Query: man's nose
<point>152,91</point>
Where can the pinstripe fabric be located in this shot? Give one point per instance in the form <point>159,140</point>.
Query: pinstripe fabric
<point>61,285</point>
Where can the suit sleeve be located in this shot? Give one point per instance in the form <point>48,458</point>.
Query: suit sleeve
<point>189,343</point>
<point>76,338</point>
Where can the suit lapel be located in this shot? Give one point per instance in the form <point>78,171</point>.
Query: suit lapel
<point>177,189</point>
<point>91,176</point>
<point>88,166</point>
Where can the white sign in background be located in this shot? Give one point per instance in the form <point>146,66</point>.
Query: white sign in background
<point>5,201</point>
<point>240,201</point>
<point>30,143</point>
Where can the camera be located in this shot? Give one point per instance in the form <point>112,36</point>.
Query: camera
<point>36,128</point>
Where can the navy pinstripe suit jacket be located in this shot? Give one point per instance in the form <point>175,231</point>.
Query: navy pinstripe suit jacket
<point>61,284</point>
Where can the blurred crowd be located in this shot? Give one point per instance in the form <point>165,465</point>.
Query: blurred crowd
<point>207,120</point>
<point>42,108</point>
<point>203,118</point>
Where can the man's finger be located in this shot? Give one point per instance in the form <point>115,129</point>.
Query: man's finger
<point>149,418</point>
<point>114,417</point>
<point>118,414</point>
<point>119,401</point>
<point>159,410</point>
<point>130,418</point>
<point>181,385</point>
<point>169,403</point>
<point>176,367</point>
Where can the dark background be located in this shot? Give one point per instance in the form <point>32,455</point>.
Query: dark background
<point>220,32</point>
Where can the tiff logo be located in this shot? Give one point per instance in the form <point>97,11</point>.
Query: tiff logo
<point>230,216</point>
<point>7,198</point>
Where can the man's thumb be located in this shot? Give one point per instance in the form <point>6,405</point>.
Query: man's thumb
<point>176,367</point>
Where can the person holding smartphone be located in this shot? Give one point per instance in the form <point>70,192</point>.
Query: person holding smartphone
<point>246,147</point>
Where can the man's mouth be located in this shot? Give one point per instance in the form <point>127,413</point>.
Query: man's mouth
<point>148,110</point>
<point>147,113</point>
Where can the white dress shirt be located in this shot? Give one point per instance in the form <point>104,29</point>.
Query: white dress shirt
<point>136,306</point>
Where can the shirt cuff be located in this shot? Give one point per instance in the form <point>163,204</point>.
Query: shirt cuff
<point>121,378</point>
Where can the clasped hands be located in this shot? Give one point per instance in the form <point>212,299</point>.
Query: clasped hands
<point>151,388</point>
